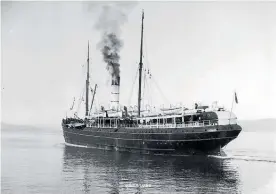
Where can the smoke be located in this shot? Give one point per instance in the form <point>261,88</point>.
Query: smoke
<point>111,46</point>
<point>111,19</point>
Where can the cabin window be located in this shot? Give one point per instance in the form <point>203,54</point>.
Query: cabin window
<point>154,121</point>
<point>178,120</point>
<point>187,118</point>
<point>169,120</point>
<point>160,121</point>
<point>107,122</point>
<point>196,117</point>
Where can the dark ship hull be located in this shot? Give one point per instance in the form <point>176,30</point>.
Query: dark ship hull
<point>178,141</point>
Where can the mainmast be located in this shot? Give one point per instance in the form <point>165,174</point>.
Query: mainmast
<point>87,85</point>
<point>140,66</point>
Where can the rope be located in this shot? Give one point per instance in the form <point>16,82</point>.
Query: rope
<point>149,93</point>
<point>143,103</point>
<point>151,73</point>
<point>80,100</point>
<point>149,69</point>
<point>146,51</point>
<point>133,86</point>
<point>160,90</point>
<point>147,90</point>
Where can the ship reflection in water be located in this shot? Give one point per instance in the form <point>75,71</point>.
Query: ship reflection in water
<point>100,171</point>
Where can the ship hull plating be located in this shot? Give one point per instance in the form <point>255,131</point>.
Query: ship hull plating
<point>198,140</point>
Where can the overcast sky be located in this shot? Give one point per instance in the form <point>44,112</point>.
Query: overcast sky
<point>196,51</point>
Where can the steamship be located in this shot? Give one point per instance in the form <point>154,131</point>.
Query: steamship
<point>174,130</point>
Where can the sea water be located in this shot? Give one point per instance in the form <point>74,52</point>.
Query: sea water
<point>36,160</point>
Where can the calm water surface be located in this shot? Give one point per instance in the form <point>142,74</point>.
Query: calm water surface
<point>38,161</point>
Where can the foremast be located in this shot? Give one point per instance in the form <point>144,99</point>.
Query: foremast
<point>87,86</point>
<point>140,66</point>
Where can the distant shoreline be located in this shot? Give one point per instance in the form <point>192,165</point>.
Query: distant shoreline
<point>267,124</point>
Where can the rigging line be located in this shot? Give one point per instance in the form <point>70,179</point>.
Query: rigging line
<point>91,81</point>
<point>146,51</point>
<point>132,86</point>
<point>83,70</point>
<point>95,107</point>
<point>160,90</point>
<point>143,101</point>
<point>149,68</point>
<point>73,104</point>
<point>80,100</point>
<point>150,93</point>
<point>146,66</point>
<point>147,91</point>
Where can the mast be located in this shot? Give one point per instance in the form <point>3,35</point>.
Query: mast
<point>87,84</point>
<point>93,99</point>
<point>140,66</point>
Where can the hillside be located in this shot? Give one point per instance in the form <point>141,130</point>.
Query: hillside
<point>13,127</point>
<point>259,125</point>
<point>247,125</point>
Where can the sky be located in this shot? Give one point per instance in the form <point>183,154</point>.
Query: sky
<point>195,51</point>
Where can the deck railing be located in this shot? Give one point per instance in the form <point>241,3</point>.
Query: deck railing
<point>156,125</point>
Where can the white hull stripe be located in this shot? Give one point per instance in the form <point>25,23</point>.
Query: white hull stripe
<point>75,145</point>
<point>103,145</point>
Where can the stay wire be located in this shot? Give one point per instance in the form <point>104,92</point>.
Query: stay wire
<point>132,87</point>
<point>147,60</point>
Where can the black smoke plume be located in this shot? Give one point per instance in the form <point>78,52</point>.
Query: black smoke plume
<point>111,46</point>
<point>110,21</point>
